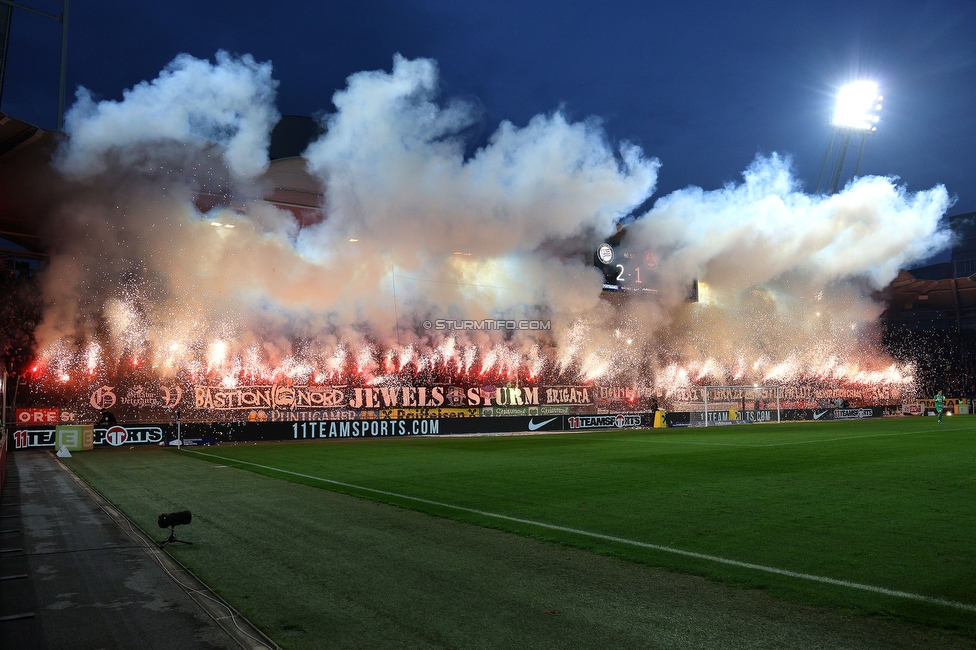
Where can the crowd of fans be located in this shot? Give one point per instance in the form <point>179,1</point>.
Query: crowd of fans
<point>943,360</point>
<point>20,312</point>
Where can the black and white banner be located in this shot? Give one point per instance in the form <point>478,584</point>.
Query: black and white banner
<point>114,436</point>
<point>223,432</point>
<point>619,421</point>
<point>698,418</point>
<point>199,434</point>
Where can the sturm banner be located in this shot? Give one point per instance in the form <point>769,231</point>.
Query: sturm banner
<point>215,398</point>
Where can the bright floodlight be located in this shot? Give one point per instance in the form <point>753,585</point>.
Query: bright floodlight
<point>858,105</point>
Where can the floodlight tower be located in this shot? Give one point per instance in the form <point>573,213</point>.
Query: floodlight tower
<point>63,19</point>
<point>856,114</point>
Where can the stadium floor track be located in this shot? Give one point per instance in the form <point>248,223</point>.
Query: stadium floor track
<point>73,578</point>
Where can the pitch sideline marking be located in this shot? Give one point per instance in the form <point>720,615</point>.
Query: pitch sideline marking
<point>620,540</point>
<point>794,442</point>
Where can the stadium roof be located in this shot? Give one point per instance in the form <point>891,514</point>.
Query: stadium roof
<point>25,181</point>
<point>918,303</point>
<point>30,188</point>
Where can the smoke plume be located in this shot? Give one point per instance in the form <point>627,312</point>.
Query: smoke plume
<point>415,230</point>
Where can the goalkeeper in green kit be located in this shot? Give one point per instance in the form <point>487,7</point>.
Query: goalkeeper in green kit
<point>939,404</point>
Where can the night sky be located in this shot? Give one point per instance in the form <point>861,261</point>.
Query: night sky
<point>702,86</point>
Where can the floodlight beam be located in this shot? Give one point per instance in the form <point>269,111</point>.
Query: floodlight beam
<point>860,157</point>
<point>823,165</point>
<point>841,157</point>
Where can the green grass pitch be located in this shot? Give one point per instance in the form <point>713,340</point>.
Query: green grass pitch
<point>817,511</point>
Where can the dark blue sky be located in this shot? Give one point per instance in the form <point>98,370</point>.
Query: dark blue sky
<point>703,86</point>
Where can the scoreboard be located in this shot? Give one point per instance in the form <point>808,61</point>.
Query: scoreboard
<point>632,270</point>
<point>627,270</point>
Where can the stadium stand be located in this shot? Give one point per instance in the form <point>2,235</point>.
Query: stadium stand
<point>940,296</point>
<point>943,359</point>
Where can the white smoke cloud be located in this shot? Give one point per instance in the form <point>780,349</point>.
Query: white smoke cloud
<point>398,181</point>
<point>501,233</point>
<point>230,102</point>
<point>786,278</point>
<point>758,231</point>
<point>395,167</point>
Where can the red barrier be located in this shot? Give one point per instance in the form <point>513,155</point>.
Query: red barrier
<point>3,459</point>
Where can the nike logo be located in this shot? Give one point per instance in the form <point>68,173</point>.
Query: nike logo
<point>534,426</point>
<point>817,416</point>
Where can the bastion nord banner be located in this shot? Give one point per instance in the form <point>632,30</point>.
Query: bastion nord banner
<point>148,402</point>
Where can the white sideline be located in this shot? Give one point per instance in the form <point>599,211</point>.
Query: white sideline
<point>619,540</point>
<point>796,442</point>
